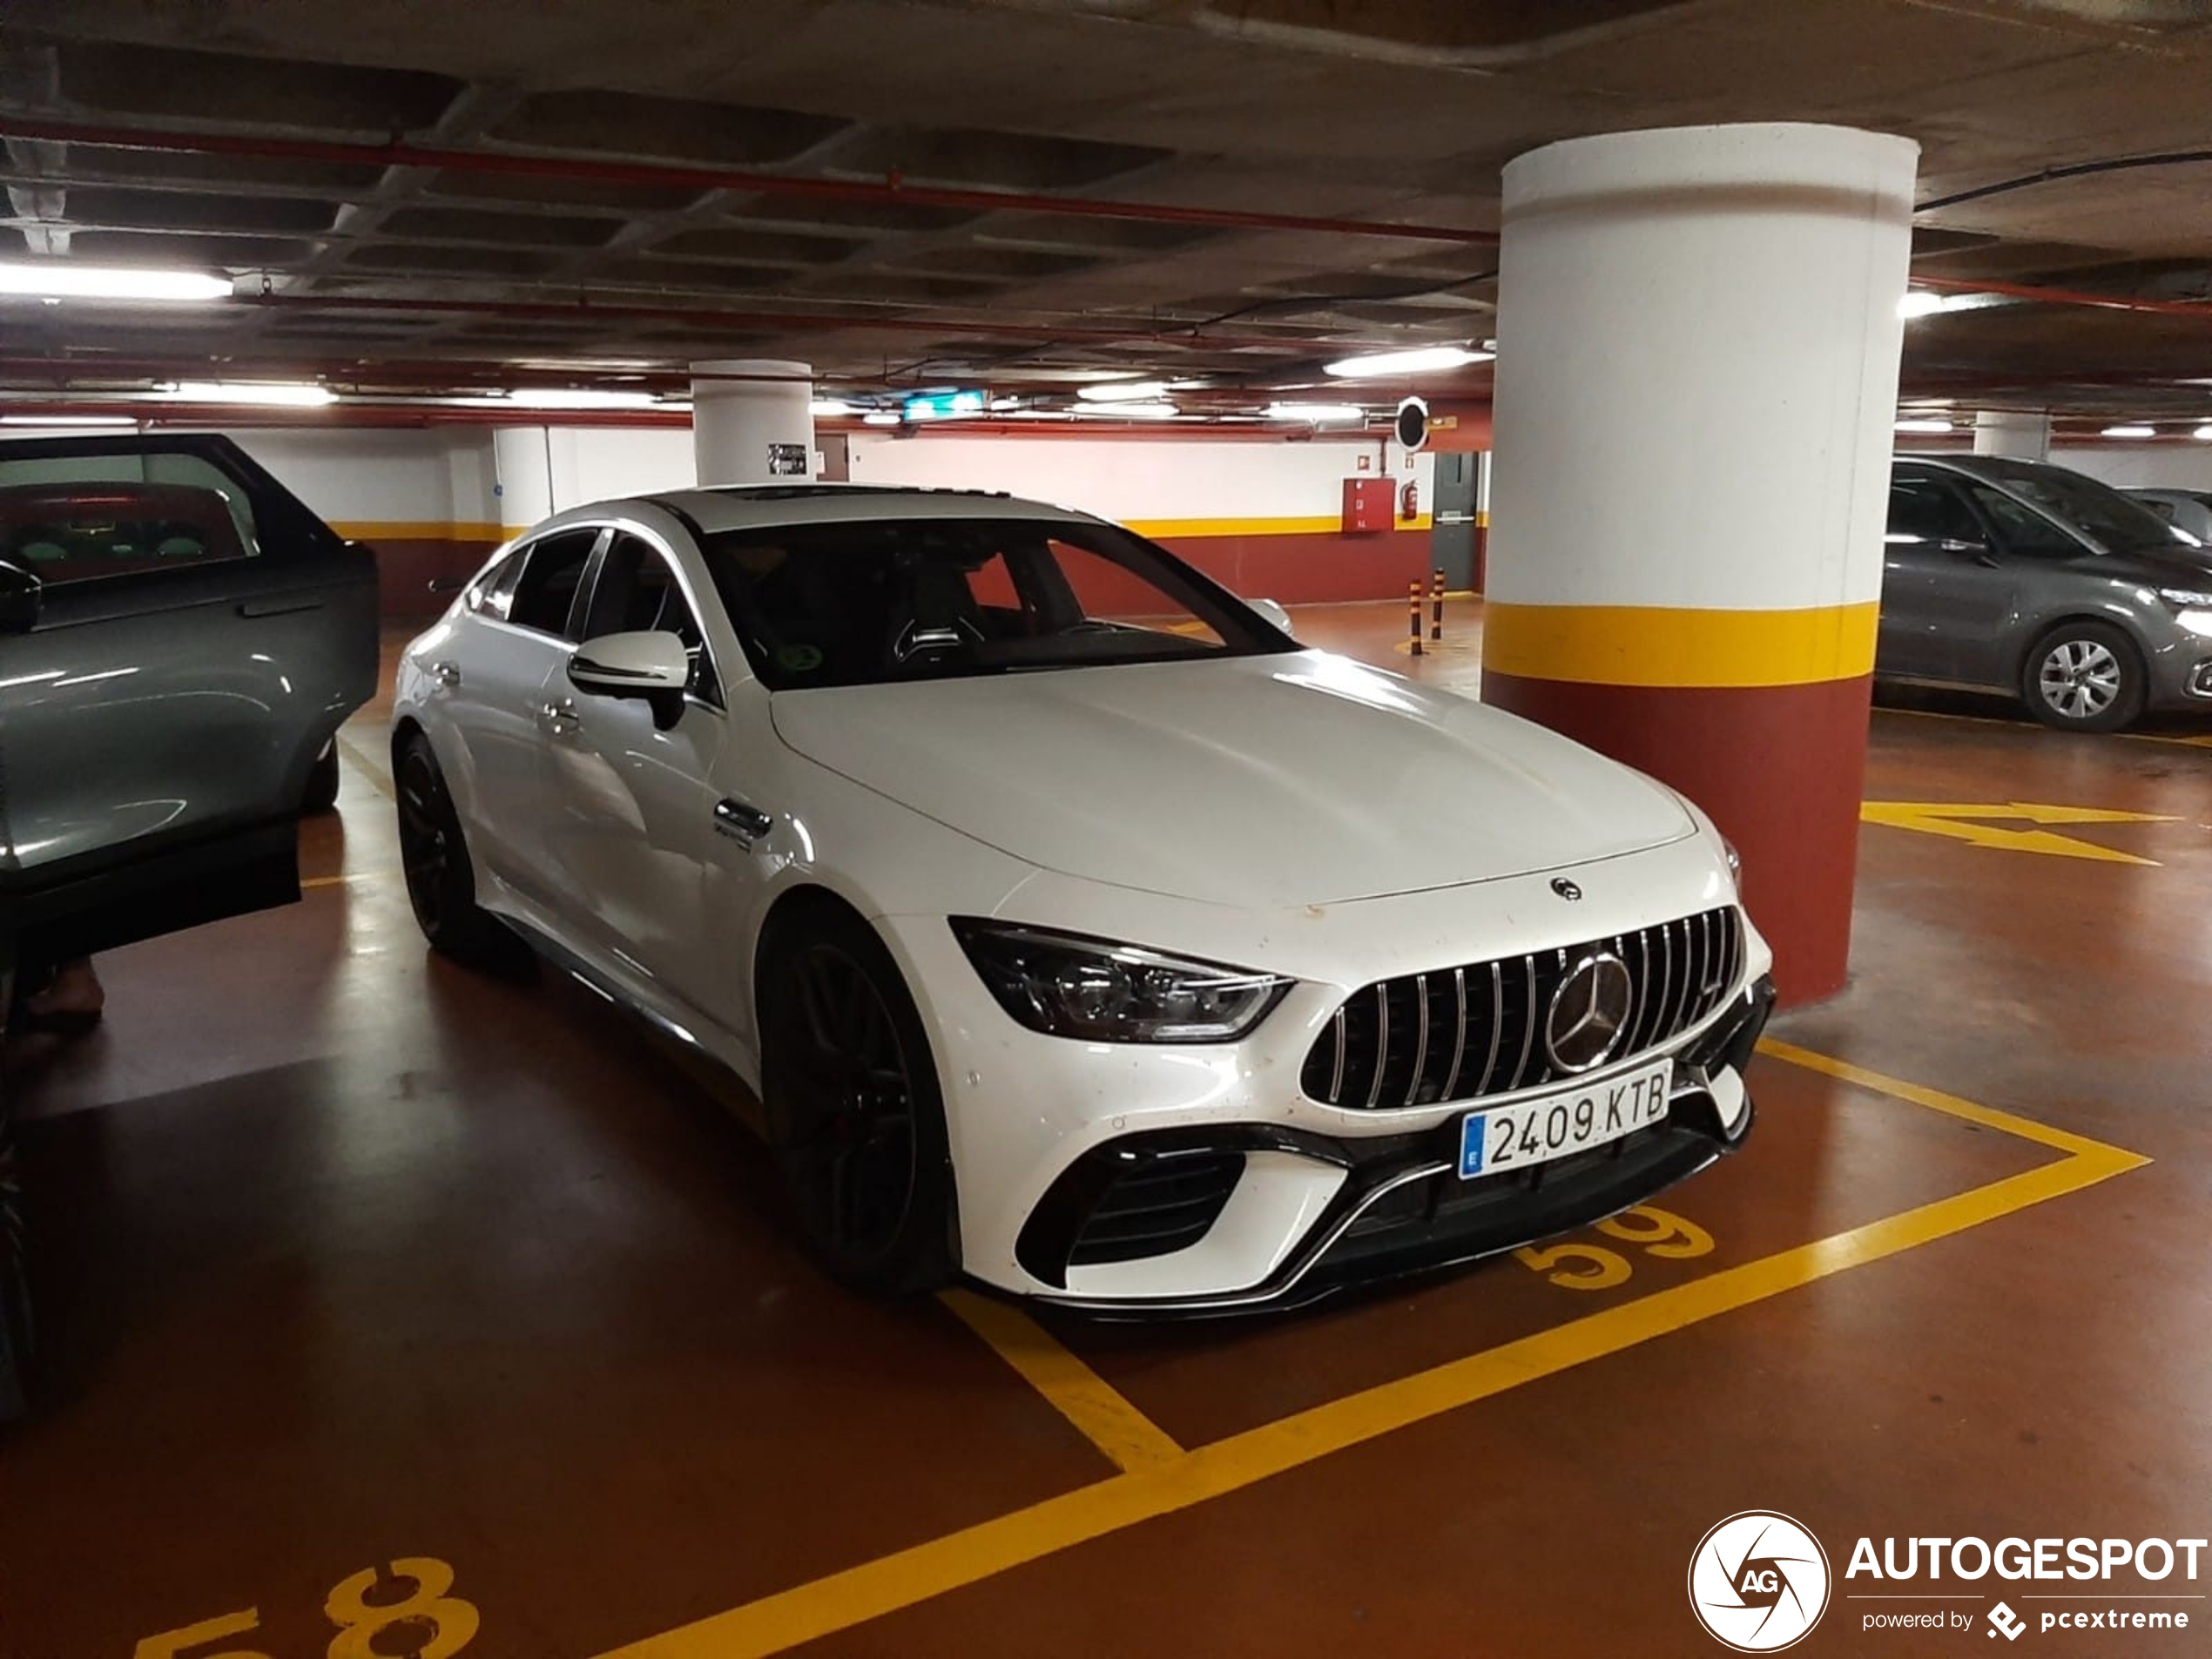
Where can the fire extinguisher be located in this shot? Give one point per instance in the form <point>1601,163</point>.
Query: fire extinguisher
<point>1409,500</point>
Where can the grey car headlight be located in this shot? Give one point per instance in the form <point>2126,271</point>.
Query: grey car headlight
<point>1070,986</point>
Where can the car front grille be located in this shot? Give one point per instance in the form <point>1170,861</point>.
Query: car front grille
<point>1465,1033</point>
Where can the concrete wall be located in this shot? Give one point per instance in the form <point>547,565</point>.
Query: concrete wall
<point>2176,466</point>
<point>1259,514</point>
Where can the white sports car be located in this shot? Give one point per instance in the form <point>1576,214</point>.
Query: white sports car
<point>1078,930</point>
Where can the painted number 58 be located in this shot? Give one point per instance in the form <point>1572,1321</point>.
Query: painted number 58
<point>405,1611</point>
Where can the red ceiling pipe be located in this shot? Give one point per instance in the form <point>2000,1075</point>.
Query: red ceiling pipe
<point>399,153</point>
<point>747,321</point>
<point>2067,296</point>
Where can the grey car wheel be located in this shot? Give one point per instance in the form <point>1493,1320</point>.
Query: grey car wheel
<point>2084,676</point>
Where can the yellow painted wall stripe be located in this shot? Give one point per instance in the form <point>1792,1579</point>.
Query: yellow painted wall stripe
<point>808,1612</point>
<point>1078,1393</point>
<point>1660,645</point>
<point>428,529</point>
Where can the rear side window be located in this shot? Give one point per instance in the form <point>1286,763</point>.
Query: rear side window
<point>2022,528</point>
<point>80,517</point>
<point>544,592</point>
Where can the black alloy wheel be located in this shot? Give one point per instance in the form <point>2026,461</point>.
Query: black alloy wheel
<point>440,881</point>
<point>855,1115</point>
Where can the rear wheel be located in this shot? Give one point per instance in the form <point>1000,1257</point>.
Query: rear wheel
<point>321,793</point>
<point>2085,677</point>
<point>440,881</point>
<point>855,1117</point>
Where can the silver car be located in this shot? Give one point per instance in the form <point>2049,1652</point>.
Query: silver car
<point>180,639</point>
<point>2028,578</point>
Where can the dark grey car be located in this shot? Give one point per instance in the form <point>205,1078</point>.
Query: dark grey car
<point>2028,578</point>
<point>180,640</point>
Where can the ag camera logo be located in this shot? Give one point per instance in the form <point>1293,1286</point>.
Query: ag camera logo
<point>1758,1581</point>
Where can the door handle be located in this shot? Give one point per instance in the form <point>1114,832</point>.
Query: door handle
<point>741,821</point>
<point>559,718</point>
<point>279,607</point>
<point>446,674</point>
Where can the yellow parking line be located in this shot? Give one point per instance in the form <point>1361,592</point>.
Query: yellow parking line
<point>1935,1100</point>
<point>1131,1440</point>
<point>313,881</point>
<point>808,1612</point>
<point>2024,724</point>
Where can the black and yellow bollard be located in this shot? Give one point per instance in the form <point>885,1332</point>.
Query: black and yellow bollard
<point>1413,616</point>
<point>1436,603</point>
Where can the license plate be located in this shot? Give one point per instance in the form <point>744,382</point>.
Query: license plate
<point>1536,1131</point>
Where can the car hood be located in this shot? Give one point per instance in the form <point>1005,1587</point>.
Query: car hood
<point>1271,780</point>
<point>2170,567</point>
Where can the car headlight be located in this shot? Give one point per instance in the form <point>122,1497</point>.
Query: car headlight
<point>1068,985</point>
<point>1735,862</point>
<point>2187,598</point>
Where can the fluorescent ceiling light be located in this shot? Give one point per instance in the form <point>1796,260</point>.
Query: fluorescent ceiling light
<point>829,406</point>
<point>1124,392</point>
<point>880,417</point>
<point>1004,405</point>
<point>2130,432</point>
<point>60,279</point>
<point>2203,435</point>
<point>1159,409</point>
<point>66,420</point>
<point>566,397</point>
<point>1318,414</point>
<point>1424,359</point>
<point>1919,302</point>
<point>294,396</point>
<point>1927,424</point>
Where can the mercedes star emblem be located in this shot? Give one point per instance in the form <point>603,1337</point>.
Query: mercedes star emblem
<point>1589,1013</point>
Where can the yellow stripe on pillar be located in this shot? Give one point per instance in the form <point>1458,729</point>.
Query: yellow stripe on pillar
<point>1664,645</point>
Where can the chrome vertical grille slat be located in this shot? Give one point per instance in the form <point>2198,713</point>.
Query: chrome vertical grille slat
<point>1683,971</point>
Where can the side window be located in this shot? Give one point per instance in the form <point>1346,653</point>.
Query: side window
<point>493,593</point>
<point>78,518</point>
<point>2020,527</point>
<point>552,571</point>
<point>2165,509</point>
<point>637,592</point>
<point>1927,510</point>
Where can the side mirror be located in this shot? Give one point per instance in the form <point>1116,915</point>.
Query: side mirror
<point>1273,612</point>
<point>22,598</point>
<point>653,666</point>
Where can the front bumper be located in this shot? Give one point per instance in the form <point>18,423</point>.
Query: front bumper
<point>1402,1207</point>
<point>1259,1193</point>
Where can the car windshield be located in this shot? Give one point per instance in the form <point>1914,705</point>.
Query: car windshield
<point>2101,513</point>
<point>866,601</point>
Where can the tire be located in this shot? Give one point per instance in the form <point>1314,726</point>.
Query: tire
<point>321,793</point>
<point>441,880</point>
<point>856,1121</point>
<point>2085,677</point>
<point>15,1276</point>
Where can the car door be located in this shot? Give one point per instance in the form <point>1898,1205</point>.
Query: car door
<point>1984,602</point>
<point>186,638</point>
<point>1928,525</point>
<point>494,703</point>
<point>632,823</point>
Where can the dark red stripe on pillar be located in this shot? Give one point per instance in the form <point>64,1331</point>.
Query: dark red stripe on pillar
<point>1779,767</point>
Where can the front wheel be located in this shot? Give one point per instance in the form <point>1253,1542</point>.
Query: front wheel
<point>441,880</point>
<point>2085,677</point>
<point>855,1117</point>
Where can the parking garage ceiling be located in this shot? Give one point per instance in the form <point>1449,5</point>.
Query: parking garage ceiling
<point>424,196</point>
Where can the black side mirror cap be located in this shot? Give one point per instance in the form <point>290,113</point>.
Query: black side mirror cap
<point>22,598</point>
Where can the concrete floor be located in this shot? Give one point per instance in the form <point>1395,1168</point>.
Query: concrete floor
<point>358,1267</point>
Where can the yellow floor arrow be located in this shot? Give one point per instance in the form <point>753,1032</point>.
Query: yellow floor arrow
<point>1952,818</point>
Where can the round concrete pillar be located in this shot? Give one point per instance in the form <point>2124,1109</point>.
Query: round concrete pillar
<point>1697,365</point>
<point>522,465</point>
<point>753,423</point>
<point>2020,434</point>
